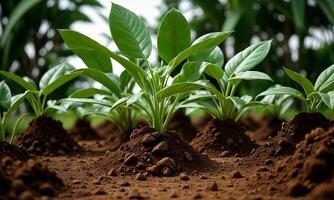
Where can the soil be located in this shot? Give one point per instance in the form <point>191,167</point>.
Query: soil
<point>268,127</point>
<point>127,172</point>
<point>224,138</point>
<point>290,134</point>
<point>154,153</point>
<point>183,126</point>
<point>82,130</point>
<point>310,169</point>
<point>200,123</point>
<point>27,180</point>
<point>46,136</point>
<point>13,151</point>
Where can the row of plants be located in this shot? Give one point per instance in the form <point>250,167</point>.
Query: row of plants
<point>190,76</point>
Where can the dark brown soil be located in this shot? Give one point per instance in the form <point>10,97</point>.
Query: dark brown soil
<point>27,180</point>
<point>46,136</point>
<point>13,151</point>
<point>287,138</point>
<point>82,130</point>
<point>268,127</point>
<point>154,153</point>
<point>183,126</point>
<point>200,123</point>
<point>311,166</point>
<point>106,129</point>
<point>224,138</point>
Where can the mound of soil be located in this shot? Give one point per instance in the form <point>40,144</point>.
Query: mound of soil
<point>267,127</point>
<point>106,129</point>
<point>10,150</point>
<point>223,138</point>
<point>82,130</point>
<point>46,136</point>
<point>27,180</point>
<point>200,123</point>
<point>290,134</point>
<point>310,168</point>
<point>183,126</point>
<point>154,153</point>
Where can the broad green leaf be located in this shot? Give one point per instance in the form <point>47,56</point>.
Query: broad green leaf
<point>102,78</point>
<point>77,41</point>
<point>16,101</point>
<point>325,81</point>
<point>26,85</point>
<point>20,9</point>
<point>238,102</point>
<point>250,75</point>
<point>283,90</point>
<point>326,99</point>
<point>298,13</point>
<point>331,97</point>
<point>301,80</point>
<point>179,88</point>
<point>89,92</point>
<point>214,71</point>
<point>129,32</point>
<point>191,71</point>
<point>119,102</point>
<point>248,58</point>
<point>5,94</point>
<point>173,35</point>
<point>59,82</point>
<point>214,56</point>
<point>55,73</point>
<point>210,40</point>
<point>91,52</point>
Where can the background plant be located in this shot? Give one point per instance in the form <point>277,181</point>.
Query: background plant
<point>315,97</point>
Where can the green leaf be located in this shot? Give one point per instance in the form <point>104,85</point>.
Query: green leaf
<point>5,94</point>
<point>25,84</point>
<point>87,100</point>
<point>301,80</point>
<point>179,88</point>
<point>298,13</point>
<point>210,40</point>
<point>59,82</point>
<point>17,100</point>
<point>129,32</point>
<point>325,81</point>
<point>77,40</point>
<point>20,9</point>
<point>173,35</point>
<point>326,99</point>
<point>55,73</point>
<point>119,102</point>
<point>214,56</point>
<point>214,71</point>
<point>89,92</point>
<point>248,58</point>
<point>328,9</point>
<point>250,75</point>
<point>91,54</point>
<point>191,71</point>
<point>282,90</point>
<point>102,78</point>
<point>331,97</point>
<point>232,20</point>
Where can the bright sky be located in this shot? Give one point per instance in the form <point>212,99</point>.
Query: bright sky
<point>146,8</point>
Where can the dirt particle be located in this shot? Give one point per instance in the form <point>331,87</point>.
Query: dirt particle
<point>167,162</point>
<point>100,192</point>
<point>236,174</point>
<point>124,184</point>
<point>131,160</point>
<point>141,177</point>
<point>135,194</point>
<point>296,189</point>
<point>166,171</point>
<point>148,140</point>
<point>197,196</point>
<point>212,187</point>
<point>154,170</point>
<point>184,177</point>
<point>112,172</point>
<point>160,149</point>
<point>173,195</point>
<point>76,182</point>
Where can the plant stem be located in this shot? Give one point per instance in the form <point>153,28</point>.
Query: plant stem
<point>16,125</point>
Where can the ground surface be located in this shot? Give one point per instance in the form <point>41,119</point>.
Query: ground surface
<point>83,181</point>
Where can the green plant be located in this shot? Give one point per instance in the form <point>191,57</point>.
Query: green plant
<point>51,80</point>
<point>159,97</point>
<point>316,96</point>
<point>221,102</point>
<point>8,104</point>
<point>277,105</point>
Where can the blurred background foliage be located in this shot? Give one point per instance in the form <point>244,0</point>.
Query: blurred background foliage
<point>29,42</point>
<point>302,32</point>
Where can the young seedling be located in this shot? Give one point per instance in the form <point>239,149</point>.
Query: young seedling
<point>8,103</point>
<point>160,95</point>
<point>315,97</point>
<point>221,103</point>
<point>50,81</point>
